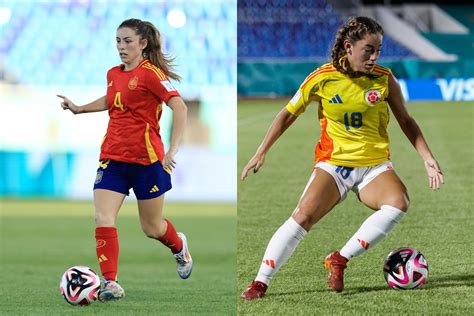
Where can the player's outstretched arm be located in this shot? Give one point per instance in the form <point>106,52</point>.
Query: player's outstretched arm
<point>413,132</point>
<point>281,122</point>
<point>180,111</point>
<point>96,106</point>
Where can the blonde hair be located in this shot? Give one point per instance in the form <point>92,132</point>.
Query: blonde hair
<point>146,30</point>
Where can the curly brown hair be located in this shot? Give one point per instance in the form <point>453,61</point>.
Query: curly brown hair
<point>355,29</point>
<point>146,30</point>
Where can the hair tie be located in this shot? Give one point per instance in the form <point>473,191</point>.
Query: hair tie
<point>342,60</point>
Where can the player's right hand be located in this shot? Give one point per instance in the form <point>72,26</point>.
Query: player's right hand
<point>69,105</point>
<point>254,163</point>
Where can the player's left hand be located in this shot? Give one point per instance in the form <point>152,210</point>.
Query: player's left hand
<point>169,162</point>
<point>435,174</point>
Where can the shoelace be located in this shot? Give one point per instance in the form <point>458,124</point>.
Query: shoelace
<point>259,286</point>
<point>180,258</point>
<point>338,263</point>
<point>110,286</point>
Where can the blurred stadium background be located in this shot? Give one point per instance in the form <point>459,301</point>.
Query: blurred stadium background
<point>424,43</point>
<point>66,47</point>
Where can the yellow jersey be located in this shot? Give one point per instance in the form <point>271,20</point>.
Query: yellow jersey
<point>353,113</point>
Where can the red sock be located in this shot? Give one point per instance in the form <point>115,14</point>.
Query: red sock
<point>171,239</point>
<point>107,249</point>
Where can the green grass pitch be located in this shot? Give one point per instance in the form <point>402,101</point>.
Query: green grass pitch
<point>39,240</point>
<point>439,224</point>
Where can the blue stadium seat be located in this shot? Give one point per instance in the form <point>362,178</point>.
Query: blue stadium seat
<point>74,42</point>
<point>293,29</point>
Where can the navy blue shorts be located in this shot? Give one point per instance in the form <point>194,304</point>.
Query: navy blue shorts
<point>147,182</point>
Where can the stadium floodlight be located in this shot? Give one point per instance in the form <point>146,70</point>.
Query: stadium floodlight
<point>5,15</point>
<point>176,18</point>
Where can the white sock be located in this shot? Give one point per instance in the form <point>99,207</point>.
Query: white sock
<point>374,229</point>
<point>279,249</point>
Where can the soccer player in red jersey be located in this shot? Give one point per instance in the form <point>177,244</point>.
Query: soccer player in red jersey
<point>132,153</point>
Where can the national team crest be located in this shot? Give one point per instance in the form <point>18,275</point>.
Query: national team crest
<point>133,83</point>
<point>372,97</point>
<point>98,177</point>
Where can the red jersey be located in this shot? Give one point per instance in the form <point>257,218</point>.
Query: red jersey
<point>135,100</point>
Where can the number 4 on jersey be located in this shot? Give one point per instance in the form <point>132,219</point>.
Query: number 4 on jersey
<point>118,101</point>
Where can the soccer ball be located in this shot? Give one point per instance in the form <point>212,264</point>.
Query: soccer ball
<point>80,285</point>
<point>405,268</point>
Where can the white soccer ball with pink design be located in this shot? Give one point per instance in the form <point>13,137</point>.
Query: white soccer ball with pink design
<point>80,285</point>
<point>405,268</point>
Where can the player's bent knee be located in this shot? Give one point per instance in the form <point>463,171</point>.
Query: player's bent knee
<point>402,203</point>
<point>102,220</point>
<point>305,220</point>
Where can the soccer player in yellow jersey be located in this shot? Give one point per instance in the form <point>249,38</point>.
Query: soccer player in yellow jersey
<point>354,95</point>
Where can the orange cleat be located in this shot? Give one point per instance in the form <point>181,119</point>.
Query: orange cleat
<point>255,290</point>
<point>335,265</point>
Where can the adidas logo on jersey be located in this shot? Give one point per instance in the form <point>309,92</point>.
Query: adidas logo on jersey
<point>336,99</point>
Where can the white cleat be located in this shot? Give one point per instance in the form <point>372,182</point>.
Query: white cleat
<point>184,262</point>
<point>111,291</point>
